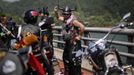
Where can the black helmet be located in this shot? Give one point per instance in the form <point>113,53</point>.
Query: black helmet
<point>44,10</point>
<point>31,16</point>
<point>66,11</point>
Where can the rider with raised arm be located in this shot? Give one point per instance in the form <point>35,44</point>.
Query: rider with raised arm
<point>72,33</point>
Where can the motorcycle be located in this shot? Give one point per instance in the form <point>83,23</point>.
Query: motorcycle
<point>104,58</point>
<point>27,45</point>
<point>23,48</point>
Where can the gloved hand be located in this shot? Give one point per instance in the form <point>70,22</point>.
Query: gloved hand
<point>56,9</point>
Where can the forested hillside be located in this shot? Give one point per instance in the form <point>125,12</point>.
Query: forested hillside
<point>91,11</point>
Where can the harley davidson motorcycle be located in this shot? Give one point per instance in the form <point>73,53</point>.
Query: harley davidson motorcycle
<point>31,43</point>
<point>104,58</point>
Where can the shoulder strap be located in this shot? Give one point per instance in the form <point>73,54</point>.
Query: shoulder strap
<point>71,19</point>
<point>19,31</point>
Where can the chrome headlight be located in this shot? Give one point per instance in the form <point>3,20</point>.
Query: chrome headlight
<point>111,60</point>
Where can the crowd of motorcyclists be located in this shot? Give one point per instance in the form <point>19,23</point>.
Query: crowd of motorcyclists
<point>27,49</point>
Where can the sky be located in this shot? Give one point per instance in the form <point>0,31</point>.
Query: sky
<point>11,0</point>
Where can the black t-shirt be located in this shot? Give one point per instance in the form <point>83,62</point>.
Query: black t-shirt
<point>47,22</point>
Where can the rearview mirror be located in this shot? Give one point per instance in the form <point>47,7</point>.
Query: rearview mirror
<point>126,16</point>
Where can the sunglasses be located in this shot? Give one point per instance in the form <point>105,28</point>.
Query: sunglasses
<point>65,14</point>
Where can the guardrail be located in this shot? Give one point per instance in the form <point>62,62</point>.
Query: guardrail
<point>86,37</point>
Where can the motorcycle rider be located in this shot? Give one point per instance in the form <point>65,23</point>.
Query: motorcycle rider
<point>72,33</point>
<point>46,24</point>
<point>29,33</point>
<point>10,64</point>
<point>7,30</point>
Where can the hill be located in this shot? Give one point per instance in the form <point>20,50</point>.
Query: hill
<point>102,10</point>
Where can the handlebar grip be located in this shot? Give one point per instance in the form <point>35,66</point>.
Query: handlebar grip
<point>131,23</point>
<point>125,24</point>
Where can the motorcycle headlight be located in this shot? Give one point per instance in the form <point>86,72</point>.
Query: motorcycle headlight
<point>111,60</point>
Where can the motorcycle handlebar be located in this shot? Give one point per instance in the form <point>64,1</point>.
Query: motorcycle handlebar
<point>120,25</point>
<point>125,24</point>
<point>130,24</point>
